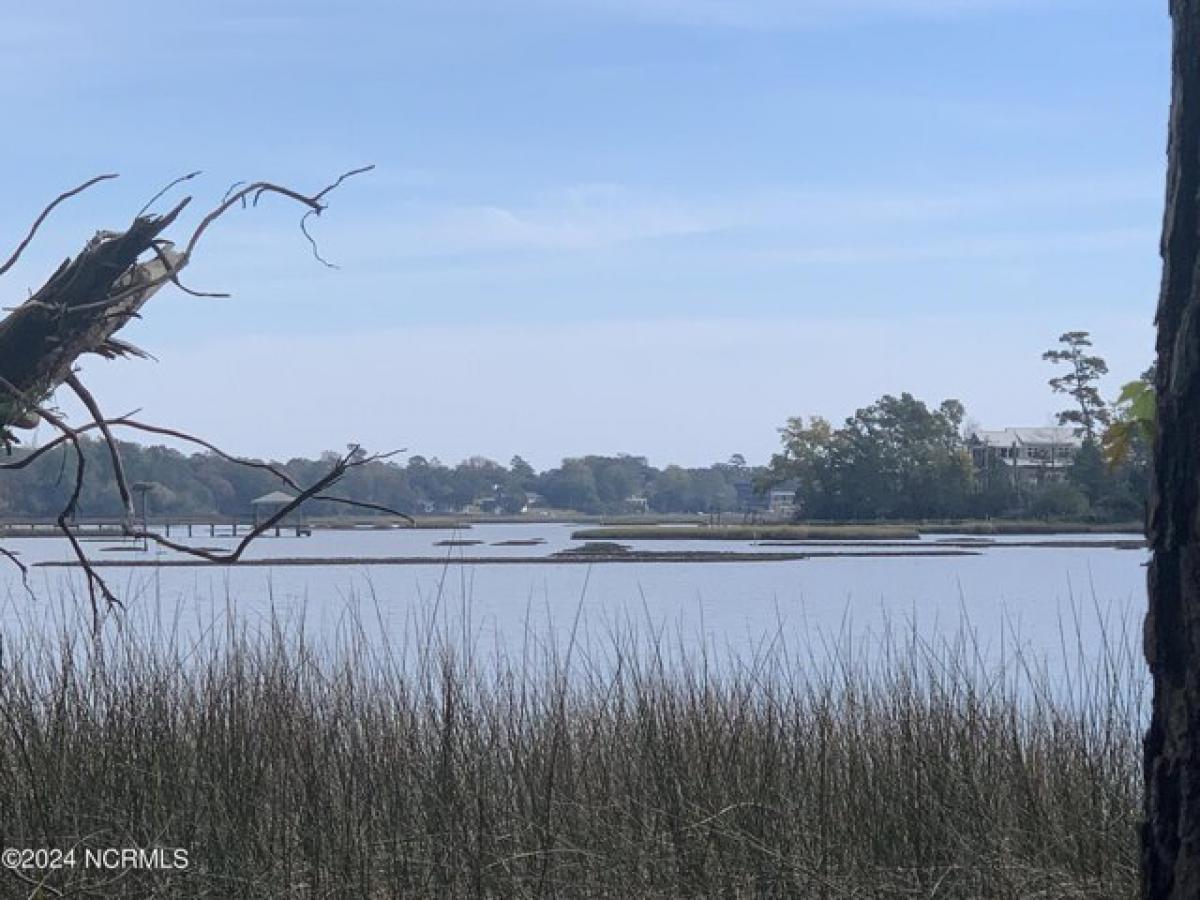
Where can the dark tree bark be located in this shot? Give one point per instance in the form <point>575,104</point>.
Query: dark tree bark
<point>78,311</point>
<point>1171,833</point>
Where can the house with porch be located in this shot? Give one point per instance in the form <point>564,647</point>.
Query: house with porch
<point>1034,456</point>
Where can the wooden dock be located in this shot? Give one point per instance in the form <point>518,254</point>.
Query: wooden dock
<point>167,526</point>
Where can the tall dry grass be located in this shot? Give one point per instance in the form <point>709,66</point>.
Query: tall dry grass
<point>601,768</point>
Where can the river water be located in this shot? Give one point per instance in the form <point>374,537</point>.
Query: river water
<point>1048,602</point>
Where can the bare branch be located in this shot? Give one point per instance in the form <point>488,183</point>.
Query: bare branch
<point>12,557</point>
<point>316,251</point>
<point>359,171</point>
<point>94,581</point>
<point>114,452</point>
<point>79,310</point>
<point>344,463</point>
<point>37,223</point>
<point>362,504</point>
<point>173,274</point>
<point>233,187</point>
<point>41,451</point>
<point>125,422</point>
<point>256,191</point>
<point>182,178</point>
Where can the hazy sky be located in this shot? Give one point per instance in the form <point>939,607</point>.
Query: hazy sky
<point>649,226</point>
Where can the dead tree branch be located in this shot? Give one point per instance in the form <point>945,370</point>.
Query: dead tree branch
<point>79,310</point>
<point>350,460</point>
<point>114,452</point>
<point>88,299</point>
<point>45,214</point>
<point>96,585</point>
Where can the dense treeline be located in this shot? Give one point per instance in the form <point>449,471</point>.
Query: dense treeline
<point>894,459</point>
<point>899,459</point>
<point>202,483</point>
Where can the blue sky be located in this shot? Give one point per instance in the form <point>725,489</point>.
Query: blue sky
<point>647,226</point>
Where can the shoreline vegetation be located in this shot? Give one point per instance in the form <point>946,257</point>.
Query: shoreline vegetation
<point>612,766</point>
<point>586,557</point>
<point>848,531</point>
<point>895,460</point>
<point>773,543</point>
<point>644,527</point>
<point>586,554</point>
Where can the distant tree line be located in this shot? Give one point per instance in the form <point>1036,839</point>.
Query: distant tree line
<point>899,459</point>
<point>896,458</point>
<point>202,483</point>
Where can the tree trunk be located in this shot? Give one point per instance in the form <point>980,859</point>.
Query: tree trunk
<point>78,311</point>
<point>1171,833</point>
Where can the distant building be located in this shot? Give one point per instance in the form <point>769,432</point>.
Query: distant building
<point>636,505</point>
<point>268,505</point>
<point>1032,455</point>
<point>490,504</point>
<point>483,505</point>
<point>748,499</point>
<point>782,503</point>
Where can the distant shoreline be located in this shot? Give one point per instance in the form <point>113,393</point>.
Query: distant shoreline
<point>836,531</point>
<point>587,558</point>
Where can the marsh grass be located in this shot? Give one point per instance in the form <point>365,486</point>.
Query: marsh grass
<point>1027,526</point>
<point>625,766</point>
<point>836,532</point>
<point>851,531</point>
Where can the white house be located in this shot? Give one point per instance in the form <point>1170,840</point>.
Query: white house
<point>782,503</point>
<point>1034,455</point>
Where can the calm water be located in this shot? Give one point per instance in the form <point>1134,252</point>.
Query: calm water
<point>1007,596</point>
